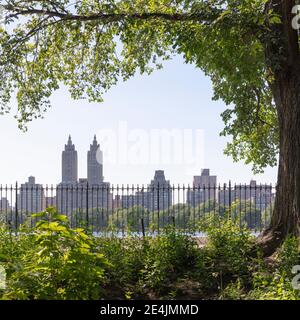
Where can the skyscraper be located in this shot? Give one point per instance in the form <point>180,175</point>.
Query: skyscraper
<point>90,193</point>
<point>156,197</point>
<point>31,198</point>
<point>205,180</point>
<point>66,190</point>
<point>204,189</point>
<point>69,163</point>
<point>160,192</point>
<point>95,164</point>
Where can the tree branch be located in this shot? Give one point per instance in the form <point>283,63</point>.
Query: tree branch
<point>112,17</point>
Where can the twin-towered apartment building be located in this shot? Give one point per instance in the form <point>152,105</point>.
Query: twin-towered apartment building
<point>71,191</point>
<point>69,164</point>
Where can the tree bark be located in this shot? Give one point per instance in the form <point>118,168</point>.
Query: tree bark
<point>286,91</point>
<point>286,215</point>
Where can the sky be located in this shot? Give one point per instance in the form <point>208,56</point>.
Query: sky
<point>133,126</point>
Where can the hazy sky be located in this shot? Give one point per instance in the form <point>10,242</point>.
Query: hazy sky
<point>175,98</point>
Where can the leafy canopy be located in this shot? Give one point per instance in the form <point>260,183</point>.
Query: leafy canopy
<point>89,45</point>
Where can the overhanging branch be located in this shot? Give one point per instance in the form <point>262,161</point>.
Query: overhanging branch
<point>112,17</point>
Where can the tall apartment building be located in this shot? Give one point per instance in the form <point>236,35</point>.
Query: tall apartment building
<point>69,163</point>
<point>160,192</point>
<point>4,204</point>
<point>67,190</point>
<point>31,198</point>
<point>203,190</point>
<point>95,164</point>
<point>157,196</point>
<point>86,193</point>
<point>259,195</point>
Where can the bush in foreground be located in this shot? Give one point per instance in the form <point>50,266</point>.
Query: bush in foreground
<point>54,261</point>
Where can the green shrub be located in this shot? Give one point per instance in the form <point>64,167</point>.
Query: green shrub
<point>126,256</point>
<point>54,261</point>
<point>230,247</point>
<point>140,264</point>
<point>288,256</point>
<point>233,291</point>
<point>13,247</point>
<point>63,263</point>
<point>227,255</point>
<point>275,282</point>
<point>168,256</point>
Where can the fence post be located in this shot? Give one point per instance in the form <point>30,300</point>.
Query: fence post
<point>173,220</point>
<point>87,205</point>
<point>143,228</point>
<point>230,199</point>
<point>158,204</point>
<point>16,205</point>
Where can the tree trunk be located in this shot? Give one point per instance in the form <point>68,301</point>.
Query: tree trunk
<point>286,215</point>
<point>286,91</point>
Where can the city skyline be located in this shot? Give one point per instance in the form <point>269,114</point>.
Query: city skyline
<point>74,191</point>
<point>90,195</point>
<point>95,172</point>
<point>158,195</point>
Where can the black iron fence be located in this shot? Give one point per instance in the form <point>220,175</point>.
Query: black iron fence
<point>142,209</point>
